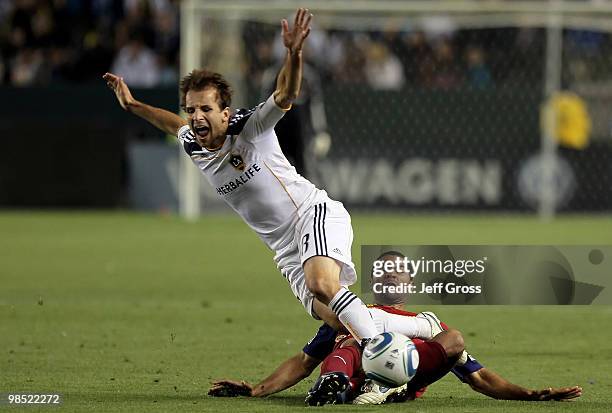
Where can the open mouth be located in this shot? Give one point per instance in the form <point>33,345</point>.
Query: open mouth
<point>201,131</point>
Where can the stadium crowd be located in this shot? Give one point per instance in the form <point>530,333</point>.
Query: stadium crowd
<point>48,41</point>
<point>436,55</point>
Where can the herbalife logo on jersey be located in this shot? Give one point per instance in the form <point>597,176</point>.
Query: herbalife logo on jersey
<point>242,179</point>
<point>237,162</point>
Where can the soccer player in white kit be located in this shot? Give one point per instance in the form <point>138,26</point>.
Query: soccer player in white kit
<point>240,156</point>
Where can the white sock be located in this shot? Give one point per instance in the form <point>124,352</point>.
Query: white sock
<point>411,327</point>
<point>353,314</point>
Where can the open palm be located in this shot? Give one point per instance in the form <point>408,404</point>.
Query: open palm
<point>294,39</point>
<point>559,393</point>
<point>117,85</point>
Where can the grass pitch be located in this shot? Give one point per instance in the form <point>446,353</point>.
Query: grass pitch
<point>128,312</point>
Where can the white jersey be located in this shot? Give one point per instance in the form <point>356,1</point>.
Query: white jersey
<point>252,175</point>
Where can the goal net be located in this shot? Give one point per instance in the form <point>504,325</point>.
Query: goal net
<point>427,105</point>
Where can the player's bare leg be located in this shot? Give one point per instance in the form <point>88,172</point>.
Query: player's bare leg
<point>322,277</point>
<point>323,280</point>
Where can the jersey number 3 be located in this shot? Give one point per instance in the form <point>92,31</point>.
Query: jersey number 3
<point>305,239</point>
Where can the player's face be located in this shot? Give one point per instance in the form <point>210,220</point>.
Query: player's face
<point>207,120</point>
<point>392,278</point>
<point>395,277</point>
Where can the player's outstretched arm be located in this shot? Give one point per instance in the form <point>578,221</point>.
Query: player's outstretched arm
<point>289,373</point>
<point>491,384</point>
<point>290,76</point>
<point>162,119</point>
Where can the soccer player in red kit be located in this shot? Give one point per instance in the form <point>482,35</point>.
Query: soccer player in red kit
<point>341,356</point>
<point>341,375</point>
<point>321,349</point>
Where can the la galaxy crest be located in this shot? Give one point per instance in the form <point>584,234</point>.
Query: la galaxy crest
<point>237,162</point>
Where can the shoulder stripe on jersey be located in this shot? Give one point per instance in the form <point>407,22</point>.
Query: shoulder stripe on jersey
<point>238,120</point>
<point>192,147</point>
<point>189,143</point>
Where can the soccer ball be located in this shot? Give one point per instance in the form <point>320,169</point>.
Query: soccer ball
<point>390,359</point>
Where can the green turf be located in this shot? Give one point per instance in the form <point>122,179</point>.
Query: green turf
<point>128,312</point>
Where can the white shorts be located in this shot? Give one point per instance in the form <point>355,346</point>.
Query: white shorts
<point>324,229</point>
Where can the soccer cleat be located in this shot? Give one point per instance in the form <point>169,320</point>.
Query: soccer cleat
<point>330,388</point>
<point>376,394</point>
<point>434,322</point>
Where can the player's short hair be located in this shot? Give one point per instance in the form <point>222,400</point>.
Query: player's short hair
<point>200,79</point>
<point>391,253</point>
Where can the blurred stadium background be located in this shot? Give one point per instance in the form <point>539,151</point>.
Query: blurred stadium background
<point>429,106</point>
<point>450,122</point>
